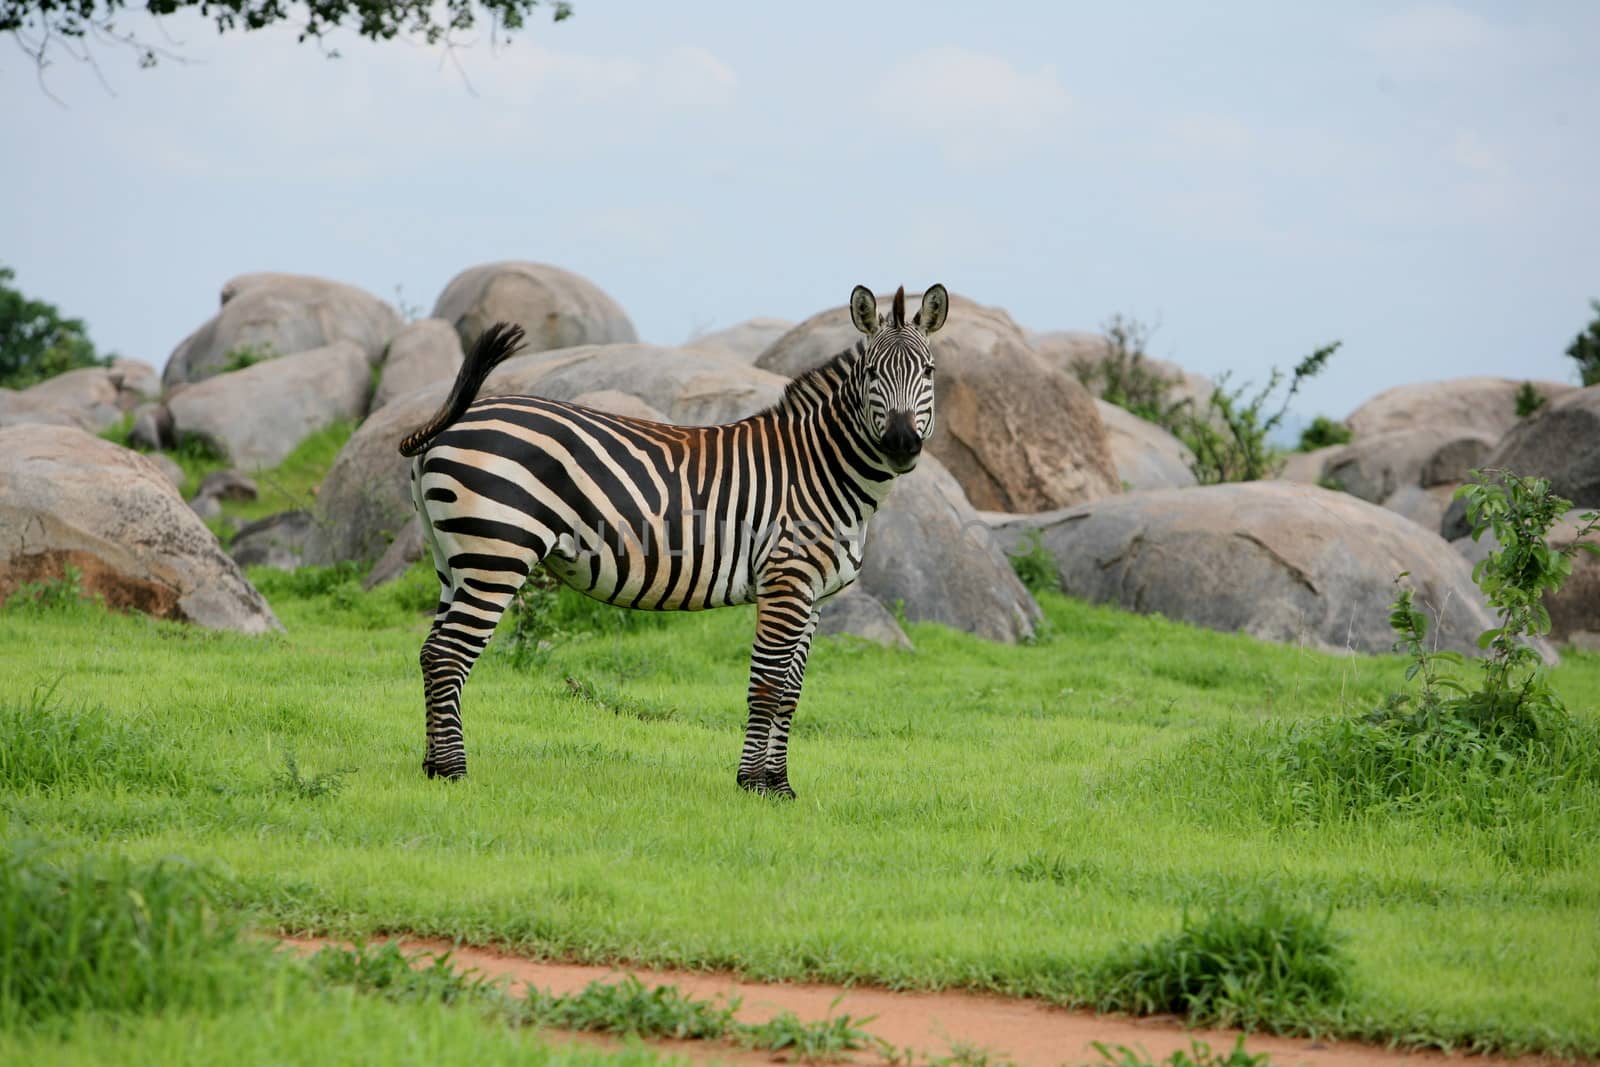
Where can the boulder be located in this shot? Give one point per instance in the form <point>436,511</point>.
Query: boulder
<point>857,614</point>
<point>18,408</point>
<point>228,485</point>
<point>619,403</point>
<point>136,382</point>
<point>1147,457</point>
<point>69,499</point>
<point>1423,506</point>
<point>1575,607</point>
<point>1277,560</point>
<point>1376,466</point>
<point>88,393</point>
<point>1560,441</point>
<point>1017,434</point>
<point>930,552</point>
<point>744,341</point>
<point>402,552</point>
<point>152,427</point>
<point>277,541</point>
<point>1307,467</point>
<point>366,498</point>
<point>557,309</point>
<point>169,468</point>
<point>423,352</point>
<point>273,315</point>
<point>1487,405</point>
<point>256,416</point>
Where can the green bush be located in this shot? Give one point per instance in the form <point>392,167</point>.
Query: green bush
<point>1125,378</point>
<point>1529,400</point>
<point>1229,438</point>
<point>1035,566</point>
<point>1272,965</point>
<point>1585,349</point>
<point>1323,432</point>
<point>36,342</point>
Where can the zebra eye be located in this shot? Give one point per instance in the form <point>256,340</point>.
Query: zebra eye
<point>927,370</point>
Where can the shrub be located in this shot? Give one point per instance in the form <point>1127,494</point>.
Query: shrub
<point>1272,965</point>
<point>1585,349</point>
<point>1529,400</point>
<point>1125,378</point>
<point>49,595</point>
<point>1035,566</point>
<point>36,342</point>
<point>1323,432</point>
<point>1230,438</point>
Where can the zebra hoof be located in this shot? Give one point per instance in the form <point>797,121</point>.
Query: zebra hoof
<point>753,783</point>
<point>449,774</point>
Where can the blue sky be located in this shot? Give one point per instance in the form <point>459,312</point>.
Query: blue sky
<point>1417,180</point>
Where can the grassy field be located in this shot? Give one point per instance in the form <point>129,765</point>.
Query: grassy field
<point>1037,820</point>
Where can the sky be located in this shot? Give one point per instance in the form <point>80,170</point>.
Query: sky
<point>1255,179</point>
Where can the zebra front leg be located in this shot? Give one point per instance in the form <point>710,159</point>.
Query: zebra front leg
<point>458,637</point>
<point>783,623</point>
<point>778,737</point>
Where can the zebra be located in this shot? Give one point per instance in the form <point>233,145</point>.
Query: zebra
<point>771,509</point>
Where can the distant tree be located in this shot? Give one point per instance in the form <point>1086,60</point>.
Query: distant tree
<point>1323,432</point>
<point>43,27</point>
<point>36,342</point>
<point>1585,348</point>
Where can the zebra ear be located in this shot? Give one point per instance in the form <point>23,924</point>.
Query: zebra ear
<point>935,306</point>
<point>864,310</point>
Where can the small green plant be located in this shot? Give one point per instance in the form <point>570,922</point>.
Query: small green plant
<point>394,975</point>
<point>1035,566</point>
<point>1271,966</point>
<point>965,1054</point>
<point>246,355</point>
<point>291,782</point>
<point>1198,1054</point>
<point>1230,438</point>
<point>1585,349</point>
<point>631,1007</point>
<point>833,1038</point>
<point>1515,577</point>
<point>1529,400</point>
<point>1323,432</point>
<point>1335,485</point>
<point>51,594</point>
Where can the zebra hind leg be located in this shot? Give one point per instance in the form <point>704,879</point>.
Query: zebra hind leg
<point>458,637</point>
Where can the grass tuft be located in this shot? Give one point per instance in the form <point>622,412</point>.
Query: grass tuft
<point>631,1007</point>
<point>1198,1054</point>
<point>46,746</point>
<point>1274,966</point>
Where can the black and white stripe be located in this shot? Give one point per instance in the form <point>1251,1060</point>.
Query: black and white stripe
<point>771,509</point>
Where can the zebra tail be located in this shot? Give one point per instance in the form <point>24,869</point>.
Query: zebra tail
<point>497,343</point>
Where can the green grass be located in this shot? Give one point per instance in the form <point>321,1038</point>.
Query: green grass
<point>1012,819</point>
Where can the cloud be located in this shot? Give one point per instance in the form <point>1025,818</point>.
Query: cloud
<point>976,107</point>
<point>1436,40</point>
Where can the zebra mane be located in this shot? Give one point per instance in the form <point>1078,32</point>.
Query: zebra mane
<point>806,389</point>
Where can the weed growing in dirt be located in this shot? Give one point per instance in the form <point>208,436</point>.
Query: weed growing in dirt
<point>392,974</point>
<point>631,1007</point>
<point>50,594</point>
<point>1273,965</point>
<point>1198,1054</point>
<point>787,1036</point>
<point>104,934</point>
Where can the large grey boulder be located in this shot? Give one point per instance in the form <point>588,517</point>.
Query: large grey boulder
<point>615,402</point>
<point>743,341</point>
<point>1376,466</point>
<point>1147,457</point>
<point>556,308</point>
<point>19,408</point>
<point>366,499</point>
<point>277,541</point>
<point>273,315</point>
<point>1017,434</point>
<point>91,398</point>
<point>69,499</point>
<point>1560,441</point>
<point>256,416</point>
<point>1276,560</point>
<point>930,552</point>
<point>423,352</point>
<point>1487,405</point>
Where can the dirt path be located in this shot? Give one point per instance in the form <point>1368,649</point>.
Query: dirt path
<point>1023,1032</point>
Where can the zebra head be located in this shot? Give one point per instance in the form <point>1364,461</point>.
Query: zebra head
<point>896,372</point>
